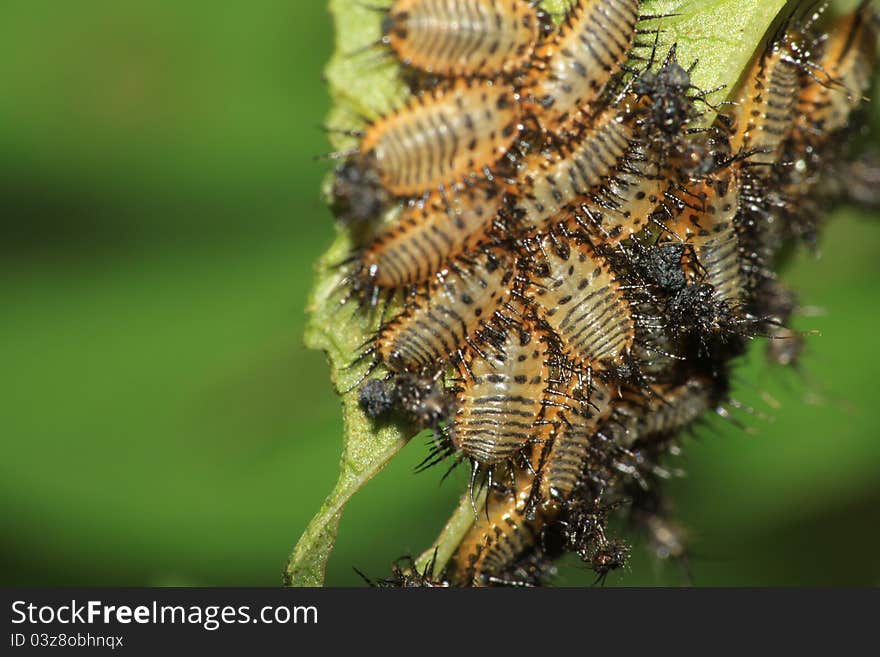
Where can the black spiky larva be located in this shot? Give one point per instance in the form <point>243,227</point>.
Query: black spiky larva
<point>436,328</point>
<point>767,102</point>
<point>553,180</point>
<point>428,234</point>
<point>462,38</point>
<point>500,400</point>
<point>579,297</point>
<point>576,64</point>
<point>841,76</point>
<point>441,138</point>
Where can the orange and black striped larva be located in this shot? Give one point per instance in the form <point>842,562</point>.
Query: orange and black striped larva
<point>587,156</point>
<point>435,329</point>
<point>578,296</point>
<point>573,68</point>
<point>767,102</point>
<point>495,550</point>
<point>580,261</point>
<point>438,139</point>
<point>500,399</point>
<point>841,76</point>
<point>574,429</point>
<point>427,235</point>
<point>463,38</point>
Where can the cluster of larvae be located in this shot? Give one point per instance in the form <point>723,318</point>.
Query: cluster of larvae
<point>583,243</point>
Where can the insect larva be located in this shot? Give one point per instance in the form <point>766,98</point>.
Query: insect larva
<point>501,399</point>
<point>427,235</point>
<point>842,75</point>
<point>671,409</point>
<point>575,66</point>
<point>568,453</point>
<point>767,103</point>
<point>554,180</point>
<point>498,538</point>
<point>627,201</point>
<point>581,300</point>
<point>709,227</point>
<point>462,38</point>
<point>441,138</point>
<point>435,329</point>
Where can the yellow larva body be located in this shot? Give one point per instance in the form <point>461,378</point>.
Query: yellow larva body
<point>629,197</point>
<point>436,328</point>
<point>575,66</point>
<point>709,227</point>
<point>427,235</point>
<point>767,104</point>
<point>442,138</point>
<point>672,408</point>
<point>501,400</point>
<point>581,300</point>
<point>564,465</point>
<point>498,538</point>
<point>462,38</point>
<point>842,77</point>
<point>552,181</point>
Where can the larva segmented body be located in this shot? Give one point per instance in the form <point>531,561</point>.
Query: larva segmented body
<point>718,253</point>
<point>709,227</point>
<point>498,538</point>
<point>630,197</point>
<point>843,74</point>
<point>575,66</point>
<point>564,464</point>
<point>555,180</point>
<point>499,407</point>
<point>641,419</point>
<point>428,234</point>
<point>484,38</point>
<point>435,329</point>
<point>581,300</point>
<point>767,104</point>
<point>581,259</point>
<point>442,138</point>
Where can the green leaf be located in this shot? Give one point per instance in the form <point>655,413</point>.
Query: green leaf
<point>721,35</point>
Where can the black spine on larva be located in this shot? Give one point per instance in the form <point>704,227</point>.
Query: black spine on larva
<point>501,399</point>
<point>435,329</point>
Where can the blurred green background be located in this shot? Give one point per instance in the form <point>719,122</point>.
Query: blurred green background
<point>162,422</point>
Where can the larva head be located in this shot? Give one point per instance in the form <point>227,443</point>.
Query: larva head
<point>424,401</point>
<point>377,398</point>
<point>358,195</point>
